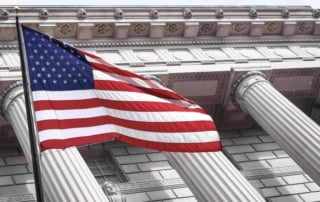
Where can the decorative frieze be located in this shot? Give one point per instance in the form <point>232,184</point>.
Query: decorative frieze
<point>240,28</point>
<point>272,27</point>
<point>66,30</point>
<point>207,28</point>
<point>139,29</point>
<point>102,30</point>
<point>174,29</point>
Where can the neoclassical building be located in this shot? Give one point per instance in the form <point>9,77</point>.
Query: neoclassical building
<point>255,70</point>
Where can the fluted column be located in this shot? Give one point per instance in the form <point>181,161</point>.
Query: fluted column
<point>212,177</point>
<point>66,177</point>
<point>293,130</point>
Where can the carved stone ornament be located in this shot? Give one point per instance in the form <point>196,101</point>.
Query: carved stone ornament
<point>316,13</point>
<point>118,13</point>
<point>206,28</point>
<point>65,30</point>
<point>112,191</point>
<point>187,13</point>
<point>82,13</point>
<point>173,28</point>
<point>4,14</point>
<point>102,29</point>
<point>43,13</point>
<point>219,13</point>
<point>153,14</point>
<point>253,13</point>
<point>139,28</point>
<point>285,13</point>
<point>304,27</point>
<point>239,27</point>
<point>271,27</point>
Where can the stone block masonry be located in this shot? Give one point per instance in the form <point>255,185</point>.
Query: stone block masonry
<point>268,168</point>
<point>151,174</point>
<point>16,181</point>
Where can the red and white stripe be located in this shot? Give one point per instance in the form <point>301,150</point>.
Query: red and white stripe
<point>123,106</point>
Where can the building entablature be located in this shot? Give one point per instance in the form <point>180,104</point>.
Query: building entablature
<point>159,22</point>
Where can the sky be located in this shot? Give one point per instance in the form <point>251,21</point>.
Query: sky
<point>312,3</point>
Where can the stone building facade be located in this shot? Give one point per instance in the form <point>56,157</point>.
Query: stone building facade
<point>227,59</point>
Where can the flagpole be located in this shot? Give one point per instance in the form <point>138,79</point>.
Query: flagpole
<point>33,141</point>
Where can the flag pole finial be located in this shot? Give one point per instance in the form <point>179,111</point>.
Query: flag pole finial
<point>16,9</point>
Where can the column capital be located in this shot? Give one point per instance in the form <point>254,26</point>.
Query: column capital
<point>241,85</point>
<point>8,96</point>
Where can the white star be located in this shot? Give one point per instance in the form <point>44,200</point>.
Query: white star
<point>33,69</point>
<point>47,63</point>
<point>53,69</point>
<point>39,45</point>
<point>44,81</point>
<point>35,81</point>
<point>85,80</point>
<point>69,75</point>
<point>65,81</point>
<point>49,75</point>
<point>75,81</point>
<point>41,57</point>
<point>58,63</point>
<point>55,51</point>
<point>61,57</point>
<point>45,51</point>
<point>43,69</point>
<point>59,75</point>
<point>35,51</point>
<point>54,81</point>
<point>37,63</point>
<point>52,57</point>
<point>38,75</point>
<point>33,39</point>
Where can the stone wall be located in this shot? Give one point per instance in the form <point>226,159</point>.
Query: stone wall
<point>150,177</point>
<point>268,167</point>
<point>16,179</point>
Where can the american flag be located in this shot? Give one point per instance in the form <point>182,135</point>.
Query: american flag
<point>80,99</point>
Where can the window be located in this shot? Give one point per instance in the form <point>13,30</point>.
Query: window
<point>102,165</point>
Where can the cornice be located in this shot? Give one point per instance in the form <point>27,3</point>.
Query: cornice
<point>162,22</point>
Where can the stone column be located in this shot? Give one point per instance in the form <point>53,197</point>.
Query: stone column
<point>293,130</point>
<point>212,177</point>
<point>66,176</point>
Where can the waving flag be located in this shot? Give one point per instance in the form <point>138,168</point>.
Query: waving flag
<point>80,99</point>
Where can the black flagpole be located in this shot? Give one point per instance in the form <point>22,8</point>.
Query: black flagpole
<point>33,141</point>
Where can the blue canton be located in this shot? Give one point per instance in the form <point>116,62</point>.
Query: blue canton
<point>54,65</point>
